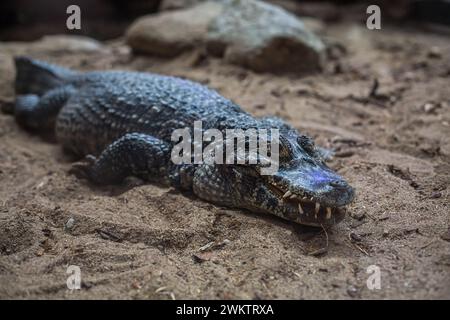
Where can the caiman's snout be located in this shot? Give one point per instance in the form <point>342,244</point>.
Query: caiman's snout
<point>316,193</point>
<point>317,182</point>
<point>340,193</point>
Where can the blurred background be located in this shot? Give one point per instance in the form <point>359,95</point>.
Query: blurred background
<point>107,19</point>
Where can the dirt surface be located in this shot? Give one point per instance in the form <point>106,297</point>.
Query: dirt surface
<point>392,145</point>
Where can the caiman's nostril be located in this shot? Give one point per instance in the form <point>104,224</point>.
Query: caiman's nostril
<point>338,184</point>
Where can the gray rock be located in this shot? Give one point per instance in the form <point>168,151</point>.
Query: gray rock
<point>250,33</point>
<point>67,43</point>
<point>170,33</point>
<point>264,37</point>
<point>54,44</point>
<point>69,224</point>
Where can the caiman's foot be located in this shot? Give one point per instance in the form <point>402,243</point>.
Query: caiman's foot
<point>83,169</point>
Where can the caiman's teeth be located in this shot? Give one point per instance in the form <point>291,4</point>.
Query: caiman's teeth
<point>317,208</point>
<point>287,194</point>
<point>328,213</point>
<point>300,209</point>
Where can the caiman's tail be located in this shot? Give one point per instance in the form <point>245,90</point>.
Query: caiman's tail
<point>37,77</point>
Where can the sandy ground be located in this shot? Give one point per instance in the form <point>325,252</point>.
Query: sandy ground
<point>143,243</point>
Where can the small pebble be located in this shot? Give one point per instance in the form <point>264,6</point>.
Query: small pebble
<point>69,224</point>
<point>344,154</point>
<point>446,235</point>
<point>355,237</point>
<point>352,291</point>
<point>429,107</point>
<point>435,52</point>
<point>359,215</point>
<point>201,257</point>
<point>436,195</point>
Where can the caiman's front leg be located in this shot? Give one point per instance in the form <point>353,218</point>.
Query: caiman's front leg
<point>134,154</point>
<point>139,155</point>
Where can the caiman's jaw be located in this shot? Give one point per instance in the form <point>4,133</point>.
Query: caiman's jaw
<point>305,209</point>
<point>309,192</point>
<point>296,194</point>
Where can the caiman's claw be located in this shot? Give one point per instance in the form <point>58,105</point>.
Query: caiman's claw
<point>83,169</point>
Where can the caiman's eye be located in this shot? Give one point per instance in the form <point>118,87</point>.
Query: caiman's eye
<point>306,143</point>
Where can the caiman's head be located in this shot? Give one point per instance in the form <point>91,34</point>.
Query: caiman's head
<point>303,189</point>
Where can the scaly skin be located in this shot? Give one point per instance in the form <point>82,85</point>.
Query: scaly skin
<point>123,121</point>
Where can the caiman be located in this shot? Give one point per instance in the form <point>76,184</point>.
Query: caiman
<point>122,123</point>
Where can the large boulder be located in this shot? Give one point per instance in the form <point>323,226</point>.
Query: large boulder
<point>264,37</point>
<point>250,33</point>
<point>170,33</point>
